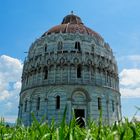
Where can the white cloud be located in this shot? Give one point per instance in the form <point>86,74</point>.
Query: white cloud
<point>130,77</point>
<point>10,73</point>
<point>17,85</point>
<point>10,84</point>
<point>130,93</point>
<point>4,94</point>
<point>130,82</point>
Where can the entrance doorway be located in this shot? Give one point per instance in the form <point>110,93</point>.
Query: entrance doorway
<point>80,115</point>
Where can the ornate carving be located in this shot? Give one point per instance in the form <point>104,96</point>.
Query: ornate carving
<point>62,60</point>
<point>76,60</point>
<point>49,61</point>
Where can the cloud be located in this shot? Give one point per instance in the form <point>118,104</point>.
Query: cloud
<point>130,77</point>
<point>10,84</point>
<point>130,93</point>
<point>10,75</point>
<point>130,83</point>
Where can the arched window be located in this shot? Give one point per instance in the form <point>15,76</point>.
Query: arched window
<point>39,69</point>
<point>113,106</point>
<point>99,103</point>
<point>25,106</point>
<point>46,46</point>
<point>77,46</point>
<point>60,45</point>
<point>38,103</point>
<point>57,102</point>
<point>79,71</point>
<point>46,73</point>
<point>93,47</point>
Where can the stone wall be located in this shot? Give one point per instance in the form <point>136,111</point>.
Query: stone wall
<point>80,75</point>
<point>98,65</point>
<point>85,97</point>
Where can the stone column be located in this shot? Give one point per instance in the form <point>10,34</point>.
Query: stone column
<point>68,72</point>
<point>101,82</point>
<point>36,75</point>
<point>48,73</point>
<point>46,108</point>
<point>61,73</point>
<point>54,72</point>
<point>95,74</point>
<point>83,73</point>
<point>105,78</point>
<point>76,73</point>
<point>118,84</point>
<point>20,112</point>
<point>30,111</point>
<point>69,107</point>
<point>89,110</point>
<point>111,80</point>
<point>117,110</point>
<point>107,105</point>
<point>90,73</point>
<point>120,116</point>
<point>41,79</point>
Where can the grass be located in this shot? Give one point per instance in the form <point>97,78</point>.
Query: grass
<point>126,130</point>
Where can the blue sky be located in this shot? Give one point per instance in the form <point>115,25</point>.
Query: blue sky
<point>21,22</point>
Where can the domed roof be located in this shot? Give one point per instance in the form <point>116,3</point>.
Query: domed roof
<point>73,19</point>
<point>72,24</point>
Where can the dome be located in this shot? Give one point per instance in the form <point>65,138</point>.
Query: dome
<point>72,24</point>
<point>73,19</point>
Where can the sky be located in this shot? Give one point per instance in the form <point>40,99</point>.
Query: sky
<point>22,22</point>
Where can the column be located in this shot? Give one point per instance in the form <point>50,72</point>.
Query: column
<point>90,73</point>
<point>68,72</point>
<point>108,114</point>
<point>54,72</point>
<point>90,112</point>
<point>61,73</point>
<point>46,108</point>
<point>30,112</point>
<point>21,108</point>
<point>95,74</point>
<point>83,73</point>
<point>76,73</point>
<point>41,79</point>
<point>69,109</point>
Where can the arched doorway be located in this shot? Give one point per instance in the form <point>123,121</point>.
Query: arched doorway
<point>80,117</point>
<point>80,108</point>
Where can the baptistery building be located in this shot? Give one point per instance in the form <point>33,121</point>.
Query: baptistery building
<point>70,66</point>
